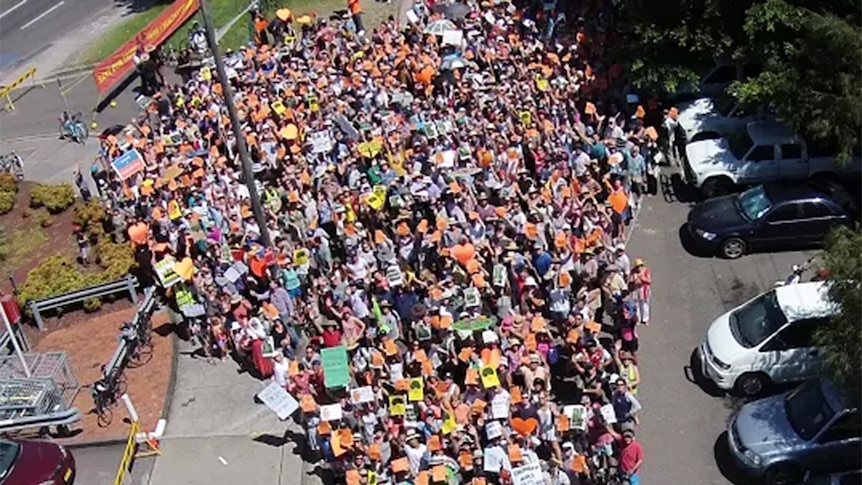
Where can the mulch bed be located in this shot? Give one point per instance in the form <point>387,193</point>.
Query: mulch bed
<point>90,345</point>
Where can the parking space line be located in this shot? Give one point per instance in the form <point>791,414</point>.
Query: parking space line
<point>42,15</point>
<point>15,7</point>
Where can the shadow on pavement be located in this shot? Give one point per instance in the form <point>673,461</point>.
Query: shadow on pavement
<point>674,189</point>
<point>694,375</point>
<point>690,246</point>
<point>726,464</point>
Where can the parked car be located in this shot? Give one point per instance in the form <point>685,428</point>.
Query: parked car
<point>765,151</point>
<point>770,216</point>
<point>35,463</point>
<point>809,429</point>
<point>766,340</point>
<point>840,478</point>
<point>715,81</point>
<point>710,118</point>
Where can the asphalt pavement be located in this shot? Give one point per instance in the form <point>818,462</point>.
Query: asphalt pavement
<point>28,27</point>
<point>683,421</point>
<point>97,465</point>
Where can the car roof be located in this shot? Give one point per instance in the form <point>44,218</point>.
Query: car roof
<point>785,192</point>
<point>805,300</point>
<point>770,133</point>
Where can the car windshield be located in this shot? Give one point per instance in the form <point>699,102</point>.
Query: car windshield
<point>807,410</point>
<point>8,454</point>
<point>754,202</point>
<point>740,144</point>
<point>758,320</point>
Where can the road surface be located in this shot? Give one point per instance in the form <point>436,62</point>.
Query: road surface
<point>28,27</point>
<point>682,424</point>
<point>98,465</point>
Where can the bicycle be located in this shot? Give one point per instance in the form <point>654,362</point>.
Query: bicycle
<point>139,343</point>
<point>12,163</point>
<point>71,127</point>
<point>106,392</point>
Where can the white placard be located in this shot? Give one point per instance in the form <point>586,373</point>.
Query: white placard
<point>453,37</point>
<point>321,141</point>
<point>608,413</point>
<point>394,276</point>
<point>499,278</point>
<point>331,412</point>
<point>471,297</point>
<point>577,415</point>
<point>493,430</point>
<point>489,17</point>
<point>500,408</point>
<point>528,475</point>
<point>362,395</point>
<point>495,459</point>
<point>411,16</point>
<point>277,398</point>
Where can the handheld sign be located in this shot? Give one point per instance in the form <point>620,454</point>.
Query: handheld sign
<point>336,372</point>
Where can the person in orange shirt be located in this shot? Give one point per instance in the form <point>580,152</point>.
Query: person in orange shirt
<point>355,10</point>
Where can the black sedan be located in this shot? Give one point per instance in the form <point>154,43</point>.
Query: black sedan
<point>780,216</point>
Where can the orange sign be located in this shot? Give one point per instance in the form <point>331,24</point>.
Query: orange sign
<point>116,66</point>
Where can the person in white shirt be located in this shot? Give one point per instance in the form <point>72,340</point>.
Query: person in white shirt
<point>415,452</point>
<point>280,369</point>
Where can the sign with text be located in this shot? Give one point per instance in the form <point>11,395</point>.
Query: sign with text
<point>336,372</point>
<point>278,399</point>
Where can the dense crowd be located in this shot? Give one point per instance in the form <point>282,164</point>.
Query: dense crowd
<point>447,294</point>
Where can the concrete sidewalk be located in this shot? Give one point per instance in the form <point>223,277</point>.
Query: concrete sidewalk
<point>218,435</point>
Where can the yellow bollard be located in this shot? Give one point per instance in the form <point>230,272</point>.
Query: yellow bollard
<point>113,104</point>
<point>94,125</point>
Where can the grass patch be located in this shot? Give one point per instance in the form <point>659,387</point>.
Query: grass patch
<point>119,34</point>
<point>222,11</point>
<point>14,246</point>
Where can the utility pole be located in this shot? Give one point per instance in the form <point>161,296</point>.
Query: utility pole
<point>241,146</point>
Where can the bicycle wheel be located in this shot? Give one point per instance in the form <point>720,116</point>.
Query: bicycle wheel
<point>104,415</point>
<point>142,355</point>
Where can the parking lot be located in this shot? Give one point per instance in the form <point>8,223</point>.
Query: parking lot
<point>683,423</point>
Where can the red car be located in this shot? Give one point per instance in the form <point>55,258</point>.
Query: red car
<point>35,463</point>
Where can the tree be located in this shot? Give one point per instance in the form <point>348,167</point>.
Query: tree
<point>840,342</point>
<point>813,73</point>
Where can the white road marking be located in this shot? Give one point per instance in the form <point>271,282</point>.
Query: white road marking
<point>22,2</point>
<point>43,14</point>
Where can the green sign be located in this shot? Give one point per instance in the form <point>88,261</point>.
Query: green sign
<point>474,324</point>
<point>336,372</point>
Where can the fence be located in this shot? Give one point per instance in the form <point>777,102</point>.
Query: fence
<point>129,283</point>
<point>44,399</point>
<point>54,366</point>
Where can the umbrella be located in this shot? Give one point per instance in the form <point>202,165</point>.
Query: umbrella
<point>454,63</point>
<point>455,10</point>
<point>437,27</point>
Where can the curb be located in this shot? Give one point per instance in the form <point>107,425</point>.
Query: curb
<point>172,379</point>
<point>96,443</point>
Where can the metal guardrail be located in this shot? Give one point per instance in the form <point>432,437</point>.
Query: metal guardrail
<point>129,283</point>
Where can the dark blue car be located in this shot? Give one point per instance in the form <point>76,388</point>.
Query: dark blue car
<point>771,216</point>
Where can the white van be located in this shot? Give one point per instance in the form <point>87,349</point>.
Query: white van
<point>767,339</point>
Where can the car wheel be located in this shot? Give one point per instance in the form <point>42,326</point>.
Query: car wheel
<point>716,187</point>
<point>782,474</point>
<point>751,385</point>
<point>733,248</point>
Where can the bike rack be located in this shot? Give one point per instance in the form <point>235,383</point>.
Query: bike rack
<point>43,399</point>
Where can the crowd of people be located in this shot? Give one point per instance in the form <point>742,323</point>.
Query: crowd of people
<point>447,292</point>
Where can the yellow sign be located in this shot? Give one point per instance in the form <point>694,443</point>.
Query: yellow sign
<point>449,423</point>
<point>525,117</point>
<point>300,257</point>
<point>206,74</point>
<point>377,197</point>
<point>313,104</point>
<point>542,84</point>
<point>278,107</point>
<point>489,377</point>
<point>397,405</point>
<point>417,389</point>
<point>369,149</point>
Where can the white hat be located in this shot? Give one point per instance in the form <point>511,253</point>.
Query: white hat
<point>530,281</point>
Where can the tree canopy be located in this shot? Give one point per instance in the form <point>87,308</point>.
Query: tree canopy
<point>840,342</point>
<point>811,51</point>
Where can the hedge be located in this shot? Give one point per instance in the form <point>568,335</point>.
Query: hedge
<point>54,198</point>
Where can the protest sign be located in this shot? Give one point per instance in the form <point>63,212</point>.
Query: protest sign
<point>128,164</point>
<point>394,276</point>
<point>453,37</point>
<point>472,297</point>
<point>300,257</point>
<point>499,278</point>
<point>278,107</point>
<point>528,475</point>
<point>417,389</point>
<point>321,141</point>
<point>577,415</point>
<point>397,405</point>
<point>493,429</point>
<point>278,400</point>
<point>608,414</point>
<point>165,272</point>
<point>489,377</point>
<point>336,372</point>
<point>331,412</point>
<point>362,395</point>
<point>525,117</point>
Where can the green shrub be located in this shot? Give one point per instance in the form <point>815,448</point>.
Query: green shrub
<point>115,258</point>
<point>7,201</point>
<point>90,217</point>
<point>44,219</point>
<point>8,183</point>
<point>55,198</point>
<point>92,305</point>
<point>55,275</point>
